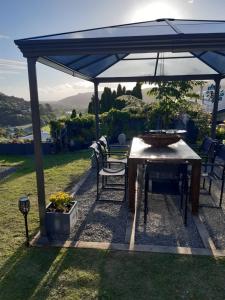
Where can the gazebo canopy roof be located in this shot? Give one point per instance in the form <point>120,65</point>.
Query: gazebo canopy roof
<point>168,49</point>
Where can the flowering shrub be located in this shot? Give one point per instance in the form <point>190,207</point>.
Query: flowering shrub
<point>61,201</point>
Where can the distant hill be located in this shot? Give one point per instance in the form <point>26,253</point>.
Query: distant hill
<point>79,102</point>
<point>16,111</point>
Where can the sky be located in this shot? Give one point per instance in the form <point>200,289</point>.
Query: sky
<point>27,18</point>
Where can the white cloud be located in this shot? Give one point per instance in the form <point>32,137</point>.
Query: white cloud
<point>56,92</point>
<point>190,1</point>
<point>154,10</point>
<point>8,66</point>
<point>2,36</point>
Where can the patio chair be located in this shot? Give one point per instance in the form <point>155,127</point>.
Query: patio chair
<point>207,152</point>
<point>207,149</point>
<point>104,171</point>
<point>167,178</point>
<point>215,172</point>
<point>110,150</point>
<point>107,156</point>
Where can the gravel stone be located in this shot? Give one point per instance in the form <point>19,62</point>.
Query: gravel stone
<point>106,220</point>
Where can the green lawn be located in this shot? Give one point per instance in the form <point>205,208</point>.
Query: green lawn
<point>54,273</point>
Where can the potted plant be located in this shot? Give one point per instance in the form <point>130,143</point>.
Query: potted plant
<point>61,214</point>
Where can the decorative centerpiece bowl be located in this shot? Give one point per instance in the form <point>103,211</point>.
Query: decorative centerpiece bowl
<point>160,139</point>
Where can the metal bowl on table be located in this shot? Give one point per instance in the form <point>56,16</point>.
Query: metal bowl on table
<point>160,139</point>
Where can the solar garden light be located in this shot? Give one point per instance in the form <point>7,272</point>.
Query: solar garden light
<point>24,207</point>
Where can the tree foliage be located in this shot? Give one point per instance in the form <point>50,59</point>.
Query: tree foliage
<point>172,96</point>
<point>91,109</point>
<point>119,91</point>
<point>108,97</point>
<point>174,89</point>
<point>16,111</point>
<point>73,114</point>
<point>136,92</point>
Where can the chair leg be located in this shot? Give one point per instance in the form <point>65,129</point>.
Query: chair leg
<point>182,196</point>
<point>221,193</point>
<point>146,199</point>
<point>185,210</point>
<point>210,185</point>
<point>125,184</point>
<point>97,187</point>
<point>103,182</point>
<point>203,184</point>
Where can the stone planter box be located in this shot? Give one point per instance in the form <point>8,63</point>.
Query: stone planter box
<point>61,223</point>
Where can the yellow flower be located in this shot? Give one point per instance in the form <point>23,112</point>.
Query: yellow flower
<point>60,199</point>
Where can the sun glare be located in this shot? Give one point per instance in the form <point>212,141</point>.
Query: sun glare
<point>154,11</point>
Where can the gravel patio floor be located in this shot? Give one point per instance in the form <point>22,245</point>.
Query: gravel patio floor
<point>106,220</point>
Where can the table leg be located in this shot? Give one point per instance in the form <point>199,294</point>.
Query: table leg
<point>195,185</point>
<point>132,174</point>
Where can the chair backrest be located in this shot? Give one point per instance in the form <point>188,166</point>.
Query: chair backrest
<point>208,147</point>
<point>220,152</point>
<point>104,143</point>
<point>219,171</point>
<point>102,151</point>
<point>165,177</point>
<point>96,154</point>
<point>160,170</point>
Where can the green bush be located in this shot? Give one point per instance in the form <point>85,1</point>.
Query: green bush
<point>74,132</point>
<point>117,121</point>
<point>220,132</point>
<point>79,131</point>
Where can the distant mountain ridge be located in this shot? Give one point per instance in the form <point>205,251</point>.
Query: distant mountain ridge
<point>16,111</point>
<point>80,101</point>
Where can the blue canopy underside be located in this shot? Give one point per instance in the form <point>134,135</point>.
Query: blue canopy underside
<point>93,66</point>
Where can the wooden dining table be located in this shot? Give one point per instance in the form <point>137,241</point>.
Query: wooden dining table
<point>141,152</point>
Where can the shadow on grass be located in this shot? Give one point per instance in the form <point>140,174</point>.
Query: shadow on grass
<point>54,273</point>
<point>24,271</point>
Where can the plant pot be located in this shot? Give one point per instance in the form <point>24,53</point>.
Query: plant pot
<point>58,223</point>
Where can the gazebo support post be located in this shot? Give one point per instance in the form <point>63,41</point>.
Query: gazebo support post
<point>37,142</point>
<point>215,107</point>
<point>96,108</point>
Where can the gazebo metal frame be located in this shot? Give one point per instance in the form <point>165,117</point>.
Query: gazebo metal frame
<point>89,53</point>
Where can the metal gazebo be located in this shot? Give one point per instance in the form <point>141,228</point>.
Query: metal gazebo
<point>188,50</point>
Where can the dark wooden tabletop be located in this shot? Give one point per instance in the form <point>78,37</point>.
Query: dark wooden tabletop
<point>174,152</point>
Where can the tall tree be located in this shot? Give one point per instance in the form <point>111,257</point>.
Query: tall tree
<point>74,114</point>
<point>106,101</point>
<point>91,105</point>
<point>119,91</point>
<point>137,90</point>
